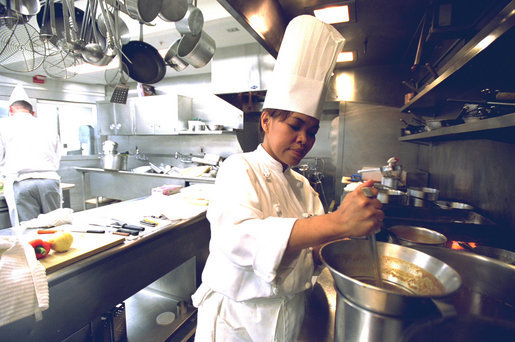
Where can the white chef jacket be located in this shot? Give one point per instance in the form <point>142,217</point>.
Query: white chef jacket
<point>27,150</point>
<point>251,214</point>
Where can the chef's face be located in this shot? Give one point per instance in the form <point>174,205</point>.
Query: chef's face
<point>288,136</point>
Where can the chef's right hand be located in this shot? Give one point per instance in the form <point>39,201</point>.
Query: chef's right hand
<point>359,215</point>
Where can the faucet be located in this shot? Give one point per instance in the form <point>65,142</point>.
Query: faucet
<point>139,156</point>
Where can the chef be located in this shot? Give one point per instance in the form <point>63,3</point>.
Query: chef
<point>29,160</point>
<point>265,218</point>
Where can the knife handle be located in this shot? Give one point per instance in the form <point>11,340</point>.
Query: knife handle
<point>131,232</point>
<point>132,227</point>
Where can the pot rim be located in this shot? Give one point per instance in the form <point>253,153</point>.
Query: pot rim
<point>386,291</point>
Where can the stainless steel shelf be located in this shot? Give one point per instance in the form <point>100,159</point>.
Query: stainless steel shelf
<point>434,91</point>
<point>499,122</point>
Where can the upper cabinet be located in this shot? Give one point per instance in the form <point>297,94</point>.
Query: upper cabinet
<point>149,115</point>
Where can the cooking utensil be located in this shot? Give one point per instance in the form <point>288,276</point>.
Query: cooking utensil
<point>411,235</point>
<point>171,58</point>
<point>121,90</point>
<point>173,10</point>
<point>491,252</point>
<point>487,284</point>
<point>392,197</point>
<point>121,27</point>
<point>197,50</point>
<point>144,11</point>
<point>25,7</point>
<point>191,22</point>
<point>492,95</point>
<point>59,20</point>
<point>453,205</point>
<point>143,61</point>
<point>21,50</point>
<point>373,246</point>
<point>411,278</point>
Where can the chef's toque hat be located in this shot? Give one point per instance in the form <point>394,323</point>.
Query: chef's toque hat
<point>19,94</point>
<point>304,66</point>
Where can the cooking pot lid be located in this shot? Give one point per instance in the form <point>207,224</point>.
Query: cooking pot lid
<point>470,328</point>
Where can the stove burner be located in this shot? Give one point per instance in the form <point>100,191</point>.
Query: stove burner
<point>470,328</point>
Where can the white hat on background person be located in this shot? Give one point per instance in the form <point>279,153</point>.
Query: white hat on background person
<point>19,94</point>
<point>304,65</point>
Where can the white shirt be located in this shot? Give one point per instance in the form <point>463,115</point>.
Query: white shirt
<point>251,214</point>
<point>27,150</point>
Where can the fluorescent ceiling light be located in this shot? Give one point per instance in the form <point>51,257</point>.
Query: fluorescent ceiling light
<point>345,56</point>
<point>333,14</point>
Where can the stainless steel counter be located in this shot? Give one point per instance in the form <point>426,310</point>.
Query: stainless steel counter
<point>84,290</point>
<point>125,185</point>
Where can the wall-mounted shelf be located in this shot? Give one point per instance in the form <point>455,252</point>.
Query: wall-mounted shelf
<point>497,123</point>
<point>485,61</point>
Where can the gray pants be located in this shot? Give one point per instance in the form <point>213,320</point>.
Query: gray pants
<point>36,196</point>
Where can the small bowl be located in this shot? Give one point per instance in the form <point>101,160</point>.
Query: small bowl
<point>433,124</point>
<point>412,236</point>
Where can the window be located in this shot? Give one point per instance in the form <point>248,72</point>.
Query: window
<point>74,122</point>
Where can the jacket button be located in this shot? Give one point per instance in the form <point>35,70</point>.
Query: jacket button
<point>277,209</point>
<point>299,184</point>
<point>307,285</point>
<point>266,173</point>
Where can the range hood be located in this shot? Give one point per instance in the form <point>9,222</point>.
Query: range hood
<point>239,75</point>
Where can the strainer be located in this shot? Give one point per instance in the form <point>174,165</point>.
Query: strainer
<point>21,48</point>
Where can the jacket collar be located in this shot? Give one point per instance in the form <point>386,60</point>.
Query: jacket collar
<point>270,162</point>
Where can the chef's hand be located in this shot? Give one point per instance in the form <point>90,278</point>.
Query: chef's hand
<point>359,215</point>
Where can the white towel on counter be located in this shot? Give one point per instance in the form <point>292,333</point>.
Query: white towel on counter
<point>23,282</point>
<point>52,219</point>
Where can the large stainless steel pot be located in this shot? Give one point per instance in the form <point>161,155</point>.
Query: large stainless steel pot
<point>485,304</point>
<point>116,161</point>
<point>197,50</point>
<point>411,278</point>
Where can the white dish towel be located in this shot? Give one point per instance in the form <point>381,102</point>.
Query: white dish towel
<point>23,282</point>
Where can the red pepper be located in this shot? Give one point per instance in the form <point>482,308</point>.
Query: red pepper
<point>42,248</point>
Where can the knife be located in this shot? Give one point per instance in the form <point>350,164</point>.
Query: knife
<point>119,224</point>
<point>96,231</point>
<point>127,226</point>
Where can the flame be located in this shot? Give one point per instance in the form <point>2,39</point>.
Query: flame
<point>456,245</point>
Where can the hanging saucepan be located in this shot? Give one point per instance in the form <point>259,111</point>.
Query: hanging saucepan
<point>192,21</point>
<point>25,7</point>
<point>172,60</point>
<point>141,10</point>
<point>143,61</point>
<point>196,50</point>
<point>173,10</point>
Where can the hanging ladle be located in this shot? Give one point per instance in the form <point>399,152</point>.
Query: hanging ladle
<point>373,247</point>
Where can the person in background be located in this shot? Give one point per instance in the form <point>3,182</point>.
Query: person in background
<point>266,220</point>
<point>29,160</point>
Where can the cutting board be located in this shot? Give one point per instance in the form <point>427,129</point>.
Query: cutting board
<point>84,245</point>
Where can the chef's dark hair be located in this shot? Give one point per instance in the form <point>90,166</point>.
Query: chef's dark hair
<point>273,113</point>
<point>22,104</point>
